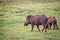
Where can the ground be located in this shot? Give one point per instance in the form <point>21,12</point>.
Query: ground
<point>12,22</point>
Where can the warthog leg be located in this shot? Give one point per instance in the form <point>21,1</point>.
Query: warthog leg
<point>38,27</point>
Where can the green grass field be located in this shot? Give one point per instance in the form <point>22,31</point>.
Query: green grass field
<point>12,23</point>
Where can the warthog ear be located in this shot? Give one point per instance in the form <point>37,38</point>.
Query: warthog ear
<point>29,16</point>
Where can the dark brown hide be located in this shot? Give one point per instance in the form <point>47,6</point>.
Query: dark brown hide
<point>36,20</point>
<point>52,21</point>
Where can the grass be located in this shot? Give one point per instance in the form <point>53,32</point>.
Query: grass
<point>12,23</point>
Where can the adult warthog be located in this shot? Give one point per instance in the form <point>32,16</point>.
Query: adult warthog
<point>36,20</point>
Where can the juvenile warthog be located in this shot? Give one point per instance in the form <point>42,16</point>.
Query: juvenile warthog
<point>52,21</point>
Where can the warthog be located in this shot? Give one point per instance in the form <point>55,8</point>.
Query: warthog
<point>52,21</point>
<point>36,20</point>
